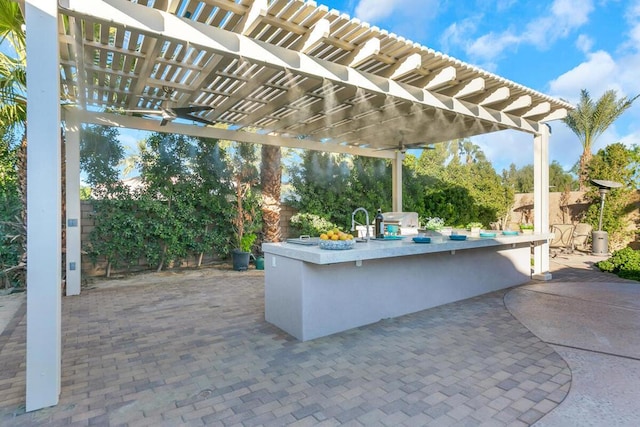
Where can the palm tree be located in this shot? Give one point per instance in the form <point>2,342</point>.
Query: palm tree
<point>270,177</point>
<point>13,84</point>
<point>590,119</point>
<point>472,153</point>
<point>13,101</point>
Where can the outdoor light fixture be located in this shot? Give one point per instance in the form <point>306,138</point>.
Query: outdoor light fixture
<point>600,244</point>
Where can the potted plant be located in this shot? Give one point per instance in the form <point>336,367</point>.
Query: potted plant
<point>474,228</point>
<point>526,228</point>
<point>434,226</point>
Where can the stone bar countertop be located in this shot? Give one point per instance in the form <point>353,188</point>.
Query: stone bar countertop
<point>377,249</point>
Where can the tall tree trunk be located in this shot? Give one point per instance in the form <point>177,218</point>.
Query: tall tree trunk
<point>583,177</point>
<point>271,177</point>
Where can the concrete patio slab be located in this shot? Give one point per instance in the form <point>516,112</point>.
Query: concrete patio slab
<point>589,316</point>
<point>593,322</point>
<point>604,391</point>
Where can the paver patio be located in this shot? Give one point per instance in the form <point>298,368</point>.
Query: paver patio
<point>193,348</point>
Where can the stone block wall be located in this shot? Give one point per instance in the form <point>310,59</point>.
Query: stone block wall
<point>286,212</point>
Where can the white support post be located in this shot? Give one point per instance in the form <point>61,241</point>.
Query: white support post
<point>73,225</point>
<point>396,182</point>
<point>541,202</point>
<point>43,206</point>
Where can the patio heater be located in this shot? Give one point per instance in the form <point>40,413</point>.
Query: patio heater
<point>600,239</point>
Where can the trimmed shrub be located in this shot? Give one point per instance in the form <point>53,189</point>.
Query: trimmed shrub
<point>625,263</point>
<point>310,224</point>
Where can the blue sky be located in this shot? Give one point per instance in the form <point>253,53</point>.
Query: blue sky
<point>557,47</point>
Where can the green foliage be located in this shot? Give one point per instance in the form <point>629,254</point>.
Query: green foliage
<point>624,262</point>
<point>322,183</point>
<point>246,219</point>
<point>119,235</point>
<point>246,244</point>
<point>435,184</point>
<point>100,153</point>
<point>521,179</point>
<point>11,228</point>
<point>13,75</point>
<point>308,224</point>
<point>434,223</point>
<point>183,209</point>
<point>590,119</point>
<point>614,163</point>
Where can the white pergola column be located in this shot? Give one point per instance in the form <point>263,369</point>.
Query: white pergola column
<point>72,169</point>
<point>541,202</point>
<point>43,205</point>
<point>396,182</point>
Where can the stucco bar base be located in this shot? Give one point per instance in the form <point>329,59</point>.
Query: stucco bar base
<point>309,300</point>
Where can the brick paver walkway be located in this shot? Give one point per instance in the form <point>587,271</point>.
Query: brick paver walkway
<point>194,349</point>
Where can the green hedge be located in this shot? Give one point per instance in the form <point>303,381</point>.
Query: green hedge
<point>625,263</point>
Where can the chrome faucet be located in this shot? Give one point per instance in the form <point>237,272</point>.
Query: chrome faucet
<point>354,222</point>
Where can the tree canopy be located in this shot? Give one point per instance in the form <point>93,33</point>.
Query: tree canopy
<point>591,119</point>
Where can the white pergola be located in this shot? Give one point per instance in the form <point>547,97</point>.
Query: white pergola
<point>282,72</point>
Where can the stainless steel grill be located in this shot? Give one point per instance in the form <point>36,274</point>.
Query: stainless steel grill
<point>407,222</point>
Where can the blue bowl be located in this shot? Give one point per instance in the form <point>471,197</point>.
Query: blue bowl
<point>487,234</point>
<point>510,233</point>
<point>422,239</point>
<point>458,237</point>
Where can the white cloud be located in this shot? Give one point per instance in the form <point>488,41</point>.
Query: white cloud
<point>602,71</point>
<point>502,5</point>
<point>456,33</point>
<point>563,17</point>
<point>376,10</point>
<point>506,147</point>
<point>628,76</point>
<point>633,18</point>
<point>598,74</point>
<point>584,43</point>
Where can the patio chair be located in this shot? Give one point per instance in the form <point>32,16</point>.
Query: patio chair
<point>563,237</point>
<point>581,235</point>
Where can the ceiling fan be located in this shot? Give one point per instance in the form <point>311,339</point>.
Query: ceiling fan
<point>168,112</point>
<point>403,147</point>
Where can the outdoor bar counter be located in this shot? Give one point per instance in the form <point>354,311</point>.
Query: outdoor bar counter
<point>312,292</point>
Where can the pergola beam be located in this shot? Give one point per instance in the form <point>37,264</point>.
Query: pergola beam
<point>406,66</point>
<point>468,89</point>
<point>252,18</point>
<point>161,24</point>
<point>314,38</point>
<point>365,52</point>
<point>120,121</point>
<point>442,78</point>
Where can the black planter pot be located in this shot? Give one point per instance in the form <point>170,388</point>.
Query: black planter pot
<point>240,259</point>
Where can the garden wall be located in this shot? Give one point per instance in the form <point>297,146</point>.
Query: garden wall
<point>569,210</point>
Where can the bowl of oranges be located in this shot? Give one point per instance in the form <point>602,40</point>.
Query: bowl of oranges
<point>336,240</point>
